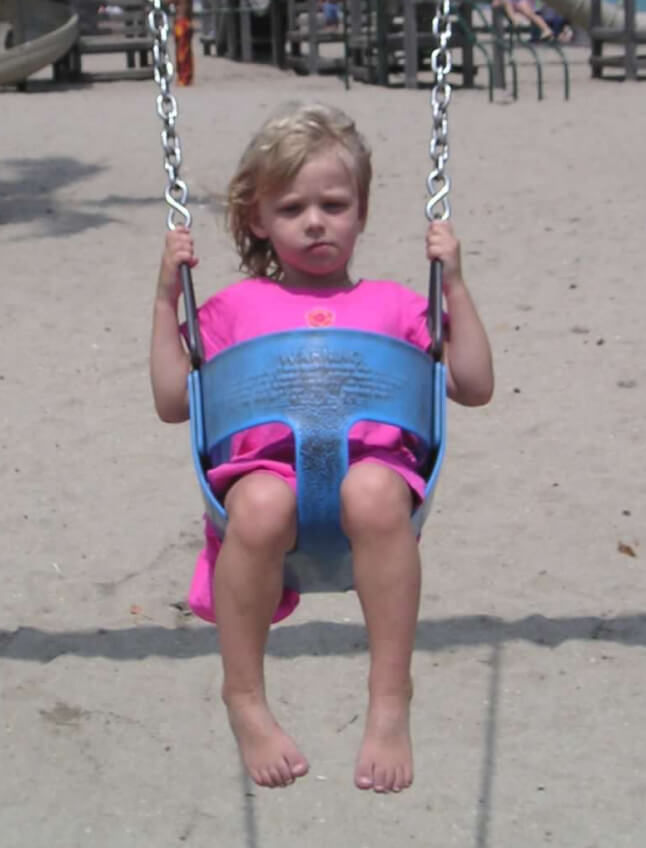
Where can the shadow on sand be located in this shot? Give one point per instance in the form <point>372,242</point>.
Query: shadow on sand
<point>32,197</point>
<point>319,638</point>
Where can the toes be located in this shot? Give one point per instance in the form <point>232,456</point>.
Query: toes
<point>408,778</point>
<point>274,777</point>
<point>398,780</point>
<point>383,780</point>
<point>285,773</point>
<point>280,774</point>
<point>364,779</point>
<point>298,767</point>
<point>261,777</point>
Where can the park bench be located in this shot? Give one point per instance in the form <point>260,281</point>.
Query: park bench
<point>121,29</point>
<point>625,40</point>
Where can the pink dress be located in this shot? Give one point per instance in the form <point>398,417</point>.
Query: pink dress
<point>254,307</point>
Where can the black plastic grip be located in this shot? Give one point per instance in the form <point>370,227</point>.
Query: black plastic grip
<point>435,312</point>
<point>195,349</point>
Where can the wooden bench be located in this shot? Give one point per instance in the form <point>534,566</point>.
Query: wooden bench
<point>125,31</point>
<point>628,37</point>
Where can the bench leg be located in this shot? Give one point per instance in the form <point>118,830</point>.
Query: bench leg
<point>597,50</point>
<point>631,60</point>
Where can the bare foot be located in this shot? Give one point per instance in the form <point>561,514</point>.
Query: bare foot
<point>270,756</point>
<point>385,759</point>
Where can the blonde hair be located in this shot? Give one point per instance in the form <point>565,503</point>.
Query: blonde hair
<point>271,161</point>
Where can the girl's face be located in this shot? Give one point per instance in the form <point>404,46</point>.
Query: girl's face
<point>313,223</point>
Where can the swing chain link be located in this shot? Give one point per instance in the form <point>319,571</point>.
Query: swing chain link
<point>439,183</point>
<point>176,193</point>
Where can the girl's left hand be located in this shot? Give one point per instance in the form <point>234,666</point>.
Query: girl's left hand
<point>442,244</point>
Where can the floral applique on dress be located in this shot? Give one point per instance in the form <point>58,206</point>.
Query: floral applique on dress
<point>320,317</point>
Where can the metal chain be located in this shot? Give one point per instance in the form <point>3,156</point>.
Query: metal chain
<point>439,183</point>
<point>176,193</point>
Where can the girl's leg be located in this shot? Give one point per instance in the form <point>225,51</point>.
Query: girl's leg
<point>376,508</point>
<point>247,587</point>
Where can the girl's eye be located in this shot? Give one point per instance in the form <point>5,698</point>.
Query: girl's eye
<point>290,209</point>
<point>335,206</point>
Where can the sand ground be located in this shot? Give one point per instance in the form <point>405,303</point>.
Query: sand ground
<point>530,696</point>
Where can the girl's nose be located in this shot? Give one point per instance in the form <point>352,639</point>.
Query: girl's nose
<point>314,219</point>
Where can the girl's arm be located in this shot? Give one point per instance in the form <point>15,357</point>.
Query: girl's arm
<point>169,361</point>
<point>470,379</point>
<point>469,367</point>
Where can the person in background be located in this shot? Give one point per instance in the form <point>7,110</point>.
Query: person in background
<point>110,10</point>
<point>527,9</point>
<point>208,20</point>
<point>559,25</point>
<point>183,31</point>
<point>330,11</point>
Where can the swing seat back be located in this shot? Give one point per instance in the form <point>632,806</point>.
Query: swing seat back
<point>319,382</point>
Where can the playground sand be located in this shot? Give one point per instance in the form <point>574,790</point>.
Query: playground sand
<point>529,703</point>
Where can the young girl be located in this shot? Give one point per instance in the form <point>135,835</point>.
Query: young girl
<point>297,204</point>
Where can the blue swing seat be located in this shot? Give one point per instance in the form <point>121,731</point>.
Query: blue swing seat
<point>318,382</point>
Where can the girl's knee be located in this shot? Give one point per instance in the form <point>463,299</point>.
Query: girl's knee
<point>375,499</point>
<point>262,511</point>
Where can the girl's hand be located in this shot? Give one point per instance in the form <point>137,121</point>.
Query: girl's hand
<point>442,244</point>
<point>178,250</point>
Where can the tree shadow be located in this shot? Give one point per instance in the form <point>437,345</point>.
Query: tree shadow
<point>31,197</point>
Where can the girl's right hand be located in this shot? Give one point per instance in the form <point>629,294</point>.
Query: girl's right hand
<point>442,244</point>
<point>178,250</point>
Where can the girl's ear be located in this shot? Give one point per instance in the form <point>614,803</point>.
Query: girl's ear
<point>255,224</point>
